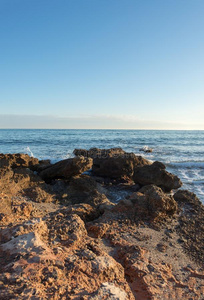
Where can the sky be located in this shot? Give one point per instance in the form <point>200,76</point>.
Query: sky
<point>118,64</point>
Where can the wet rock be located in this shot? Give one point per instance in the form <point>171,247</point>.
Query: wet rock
<point>157,175</point>
<point>67,168</point>
<point>146,149</point>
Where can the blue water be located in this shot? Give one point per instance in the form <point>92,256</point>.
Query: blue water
<point>181,151</point>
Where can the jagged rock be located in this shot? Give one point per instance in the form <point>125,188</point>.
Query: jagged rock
<point>132,250</point>
<point>67,168</point>
<point>151,200</point>
<point>118,166</point>
<point>109,291</point>
<point>186,197</point>
<point>41,193</point>
<point>85,211</point>
<point>99,153</point>
<point>24,244</point>
<point>112,163</point>
<point>42,165</point>
<point>70,230</point>
<point>17,160</point>
<point>157,175</point>
<point>23,209</point>
<point>84,189</point>
<point>5,204</point>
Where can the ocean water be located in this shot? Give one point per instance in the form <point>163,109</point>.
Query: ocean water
<point>181,151</point>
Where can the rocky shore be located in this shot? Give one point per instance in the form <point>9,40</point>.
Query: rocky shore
<point>105,224</point>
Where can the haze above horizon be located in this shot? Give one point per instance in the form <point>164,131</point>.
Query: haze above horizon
<point>116,64</point>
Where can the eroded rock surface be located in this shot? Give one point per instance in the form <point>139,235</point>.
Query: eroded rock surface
<point>112,163</point>
<point>157,175</point>
<point>67,168</point>
<point>64,239</point>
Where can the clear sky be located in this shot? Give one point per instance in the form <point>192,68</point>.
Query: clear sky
<point>102,64</point>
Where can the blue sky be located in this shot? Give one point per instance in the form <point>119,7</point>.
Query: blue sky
<point>102,64</point>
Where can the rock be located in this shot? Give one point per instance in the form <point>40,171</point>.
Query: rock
<point>157,175</point>
<point>17,160</point>
<point>112,163</point>
<point>99,153</point>
<point>42,165</point>
<point>5,204</point>
<point>84,189</point>
<point>118,166</point>
<point>24,209</point>
<point>70,231</point>
<point>185,196</point>
<point>41,193</point>
<point>146,149</point>
<point>67,168</point>
<point>24,244</point>
<point>109,291</point>
<point>153,201</point>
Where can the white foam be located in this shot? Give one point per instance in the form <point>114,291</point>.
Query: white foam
<point>187,164</point>
<point>27,149</point>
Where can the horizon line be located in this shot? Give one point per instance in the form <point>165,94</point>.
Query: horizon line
<point>102,129</point>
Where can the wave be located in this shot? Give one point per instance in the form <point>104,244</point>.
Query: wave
<point>186,164</point>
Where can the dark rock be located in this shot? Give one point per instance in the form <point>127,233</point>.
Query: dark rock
<point>84,189</point>
<point>146,149</point>
<point>186,197</point>
<point>99,153</point>
<point>118,166</point>
<point>153,201</point>
<point>43,164</point>
<point>67,168</point>
<point>156,174</point>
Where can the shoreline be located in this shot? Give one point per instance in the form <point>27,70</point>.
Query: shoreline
<point>61,237</point>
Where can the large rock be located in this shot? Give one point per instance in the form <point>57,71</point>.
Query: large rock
<point>156,174</point>
<point>67,168</point>
<point>118,166</point>
<point>84,189</point>
<point>17,160</point>
<point>113,163</point>
<point>187,197</point>
<point>99,153</point>
<point>153,201</point>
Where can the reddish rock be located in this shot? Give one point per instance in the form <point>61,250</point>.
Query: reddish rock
<point>17,161</point>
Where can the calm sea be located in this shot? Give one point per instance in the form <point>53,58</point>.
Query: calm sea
<point>181,151</point>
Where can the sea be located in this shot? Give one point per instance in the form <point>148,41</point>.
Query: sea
<point>181,151</point>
